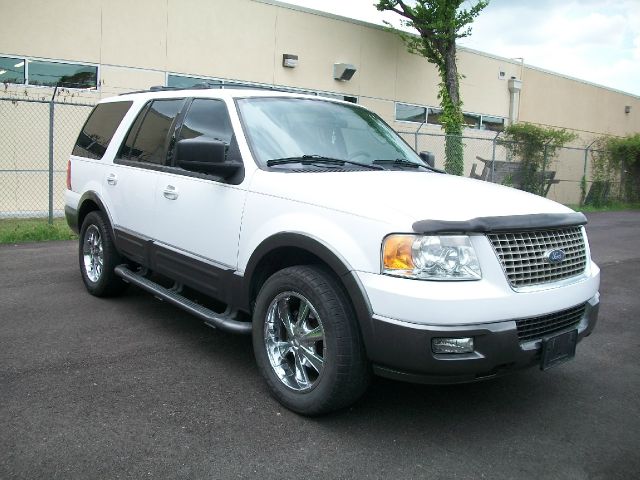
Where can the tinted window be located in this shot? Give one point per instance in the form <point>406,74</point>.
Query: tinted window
<point>410,113</point>
<point>346,98</point>
<point>471,120</point>
<point>492,123</point>
<point>208,118</point>
<point>182,81</point>
<point>126,150</point>
<point>62,74</point>
<point>11,70</point>
<point>147,143</point>
<point>99,128</point>
<point>435,116</point>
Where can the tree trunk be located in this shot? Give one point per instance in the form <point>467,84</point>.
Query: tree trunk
<point>451,74</point>
<point>454,150</point>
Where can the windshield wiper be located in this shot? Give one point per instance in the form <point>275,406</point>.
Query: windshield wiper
<point>311,159</point>
<point>401,162</point>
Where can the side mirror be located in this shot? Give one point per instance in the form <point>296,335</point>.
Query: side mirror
<point>428,158</point>
<point>205,156</point>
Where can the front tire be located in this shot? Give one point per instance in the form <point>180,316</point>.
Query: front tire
<point>307,342</point>
<point>98,257</point>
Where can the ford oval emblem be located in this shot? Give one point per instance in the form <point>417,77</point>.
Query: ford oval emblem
<point>555,256</point>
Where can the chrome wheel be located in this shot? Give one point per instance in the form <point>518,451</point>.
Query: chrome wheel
<point>93,254</point>
<point>294,341</point>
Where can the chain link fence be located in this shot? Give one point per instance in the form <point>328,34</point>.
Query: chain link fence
<point>37,136</point>
<point>567,176</point>
<point>36,139</point>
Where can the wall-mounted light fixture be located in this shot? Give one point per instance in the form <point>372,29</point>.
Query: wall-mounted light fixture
<point>289,60</point>
<point>343,71</point>
<point>627,109</point>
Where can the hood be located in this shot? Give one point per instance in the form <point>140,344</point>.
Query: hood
<point>402,197</point>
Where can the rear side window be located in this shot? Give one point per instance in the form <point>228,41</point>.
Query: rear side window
<point>147,139</point>
<point>99,128</point>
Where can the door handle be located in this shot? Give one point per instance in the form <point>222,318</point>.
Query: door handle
<point>112,179</point>
<point>170,192</point>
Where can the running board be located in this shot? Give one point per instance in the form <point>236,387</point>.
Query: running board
<point>223,321</point>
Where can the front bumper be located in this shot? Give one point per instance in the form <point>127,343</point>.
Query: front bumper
<point>402,350</point>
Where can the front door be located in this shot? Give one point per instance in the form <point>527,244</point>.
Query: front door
<point>197,216</point>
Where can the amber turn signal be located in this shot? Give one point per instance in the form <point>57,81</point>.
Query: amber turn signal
<point>397,252</point>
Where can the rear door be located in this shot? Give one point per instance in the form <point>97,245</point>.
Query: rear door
<point>130,182</point>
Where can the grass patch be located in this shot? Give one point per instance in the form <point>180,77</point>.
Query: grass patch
<point>22,230</point>
<point>610,207</point>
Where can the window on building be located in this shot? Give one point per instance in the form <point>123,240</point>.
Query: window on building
<point>99,128</point>
<point>435,116</point>
<point>12,70</point>
<point>336,96</point>
<point>184,81</point>
<point>410,113</point>
<point>68,75</point>
<point>495,124</point>
<point>471,120</point>
<point>147,139</point>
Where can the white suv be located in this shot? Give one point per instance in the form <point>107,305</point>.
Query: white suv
<point>311,224</point>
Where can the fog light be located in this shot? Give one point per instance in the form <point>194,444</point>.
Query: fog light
<point>452,345</point>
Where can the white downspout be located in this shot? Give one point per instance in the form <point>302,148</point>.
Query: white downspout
<point>515,86</point>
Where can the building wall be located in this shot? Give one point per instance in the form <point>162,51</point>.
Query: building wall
<point>136,44</point>
<point>590,110</point>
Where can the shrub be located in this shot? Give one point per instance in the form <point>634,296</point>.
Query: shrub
<point>535,146</point>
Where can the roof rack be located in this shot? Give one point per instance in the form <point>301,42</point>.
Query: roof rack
<point>211,85</point>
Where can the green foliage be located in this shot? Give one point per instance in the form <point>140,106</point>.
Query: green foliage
<point>583,189</point>
<point>508,180</point>
<point>34,230</point>
<point>615,158</point>
<point>535,147</point>
<point>603,175</point>
<point>439,24</point>
<point>454,155</point>
<point>611,206</point>
<point>625,151</point>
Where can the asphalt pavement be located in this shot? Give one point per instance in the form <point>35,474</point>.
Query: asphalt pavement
<point>133,388</point>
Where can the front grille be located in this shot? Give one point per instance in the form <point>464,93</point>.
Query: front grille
<point>522,255</point>
<point>537,327</point>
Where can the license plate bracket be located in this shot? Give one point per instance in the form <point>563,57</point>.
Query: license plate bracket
<point>558,349</point>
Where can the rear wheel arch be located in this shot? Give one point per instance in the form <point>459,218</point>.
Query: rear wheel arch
<point>89,202</point>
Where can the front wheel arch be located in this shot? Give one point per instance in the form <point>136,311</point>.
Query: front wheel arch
<point>289,249</point>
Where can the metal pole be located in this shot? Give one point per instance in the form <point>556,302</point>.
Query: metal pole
<point>544,168</point>
<point>415,136</point>
<point>584,171</point>
<point>493,158</point>
<point>51,118</point>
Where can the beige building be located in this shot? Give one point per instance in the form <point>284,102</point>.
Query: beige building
<point>108,47</point>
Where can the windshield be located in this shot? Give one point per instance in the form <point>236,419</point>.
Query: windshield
<point>284,131</point>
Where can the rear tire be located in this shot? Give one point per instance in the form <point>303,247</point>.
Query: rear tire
<point>307,342</point>
<point>98,257</point>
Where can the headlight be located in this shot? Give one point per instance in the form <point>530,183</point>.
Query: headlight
<point>430,257</point>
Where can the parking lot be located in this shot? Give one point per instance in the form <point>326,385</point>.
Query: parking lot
<point>134,388</point>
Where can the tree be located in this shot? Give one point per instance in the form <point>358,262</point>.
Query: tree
<point>615,159</point>
<point>439,24</point>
